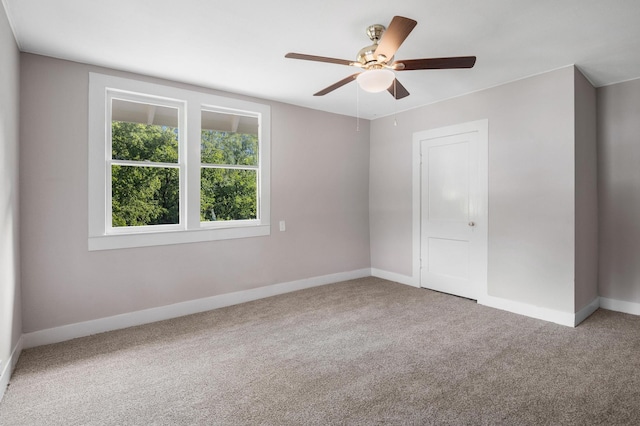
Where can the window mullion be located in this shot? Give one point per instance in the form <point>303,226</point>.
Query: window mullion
<point>192,150</point>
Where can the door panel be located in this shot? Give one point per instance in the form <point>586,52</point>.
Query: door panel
<point>448,182</point>
<point>448,258</point>
<point>450,245</point>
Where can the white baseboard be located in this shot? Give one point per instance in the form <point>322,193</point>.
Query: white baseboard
<point>585,312</point>
<point>538,312</point>
<point>558,317</point>
<point>7,369</point>
<point>87,328</point>
<point>620,306</point>
<point>392,276</point>
<point>546,314</point>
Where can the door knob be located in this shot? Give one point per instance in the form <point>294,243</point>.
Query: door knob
<point>472,224</point>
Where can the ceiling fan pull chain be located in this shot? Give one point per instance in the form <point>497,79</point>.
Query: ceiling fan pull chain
<point>395,103</point>
<point>357,109</point>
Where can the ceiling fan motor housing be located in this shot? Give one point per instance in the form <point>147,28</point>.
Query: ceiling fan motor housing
<point>366,55</point>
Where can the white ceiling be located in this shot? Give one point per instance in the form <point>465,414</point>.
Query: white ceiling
<point>239,46</point>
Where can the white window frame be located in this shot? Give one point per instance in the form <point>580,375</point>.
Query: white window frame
<point>181,106</point>
<point>214,108</point>
<point>102,236</point>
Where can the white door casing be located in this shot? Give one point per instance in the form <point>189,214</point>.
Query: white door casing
<point>450,178</point>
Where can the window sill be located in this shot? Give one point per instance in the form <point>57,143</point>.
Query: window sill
<point>160,238</point>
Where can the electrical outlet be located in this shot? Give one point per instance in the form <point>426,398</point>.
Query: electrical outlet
<point>283,226</point>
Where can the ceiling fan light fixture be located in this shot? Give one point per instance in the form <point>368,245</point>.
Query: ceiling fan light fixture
<point>375,80</point>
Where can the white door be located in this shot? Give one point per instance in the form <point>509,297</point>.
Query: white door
<point>453,211</point>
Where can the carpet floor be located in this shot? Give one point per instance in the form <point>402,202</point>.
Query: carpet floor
<point>361,352</point>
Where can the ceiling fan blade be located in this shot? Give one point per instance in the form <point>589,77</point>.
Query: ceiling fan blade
<point>394,35</point>
<point>435,63</point>
<point>334,86</point>
<point>397,90</point>
<point>317,58</point>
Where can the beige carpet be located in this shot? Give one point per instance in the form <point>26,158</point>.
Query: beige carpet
<point>361,352</point>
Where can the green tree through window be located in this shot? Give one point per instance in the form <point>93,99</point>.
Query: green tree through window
<point>144,195</point>
<point>229,176</point>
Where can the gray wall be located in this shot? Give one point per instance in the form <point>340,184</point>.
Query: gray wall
<point>531,186</point>
<point>619,191</point>
<point>541,199</point>
<point>10,305</point>
<point>319,186</point>
<point>586,197</point>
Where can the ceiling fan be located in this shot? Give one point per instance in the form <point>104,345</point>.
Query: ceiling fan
<point>377,60</point>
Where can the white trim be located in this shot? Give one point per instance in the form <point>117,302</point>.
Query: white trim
<point>482,128</point>
<point>620,306</point>
<point>87,328</point>
<point>416,161</point>
<point>395,277</point>
<point>558,317</point>
<point>117,241</point>
<point>538,312</point>
<point>586,312</point>
<point>7,369</point>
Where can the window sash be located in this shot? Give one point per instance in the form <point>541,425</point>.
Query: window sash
<point>151,100</point>
<point>228,166</point>
<point>143,164</point>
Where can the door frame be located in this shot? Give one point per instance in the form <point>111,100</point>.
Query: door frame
<point>482,128</point>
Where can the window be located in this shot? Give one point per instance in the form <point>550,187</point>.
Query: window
<point>170,166</point>
<point>229,167</point>
<point>145,165</point>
